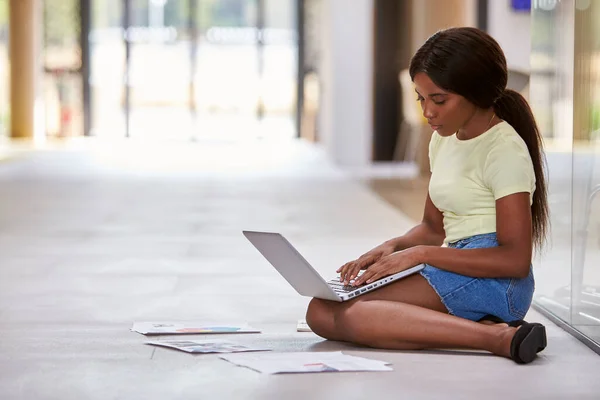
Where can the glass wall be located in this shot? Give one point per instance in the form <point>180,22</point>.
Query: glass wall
<point>159,100</point>
<point>62,65</point>
<point>107,69</point>
<point>565,96</point>
<point>195,67</point>
<point>278,79</point>
<point>246,67</point>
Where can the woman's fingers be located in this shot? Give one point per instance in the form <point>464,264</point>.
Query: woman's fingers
<point>349,272</point>
<point>352,274</point>
<point>340,269</point>
<point>345,270</point>
<point>351,269</point>
<point>376,271</point>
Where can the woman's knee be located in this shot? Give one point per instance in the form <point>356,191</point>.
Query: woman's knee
<point>320,317</point>
<point>351,321</point>
<point>316,313</point>
<point>338,321</point>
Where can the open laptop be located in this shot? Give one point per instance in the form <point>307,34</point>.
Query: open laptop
<point>303,277</point>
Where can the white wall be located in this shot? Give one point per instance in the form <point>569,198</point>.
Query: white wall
<point>346,63</point>
<point>512,30</point>
<point>346,73</point>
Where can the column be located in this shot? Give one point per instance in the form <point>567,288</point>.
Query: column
<point>346,82</point>
<point>24,47</point>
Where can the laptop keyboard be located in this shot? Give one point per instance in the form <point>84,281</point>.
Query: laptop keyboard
<point>339,287</point>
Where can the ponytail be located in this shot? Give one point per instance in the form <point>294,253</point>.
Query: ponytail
<point>514,109</point>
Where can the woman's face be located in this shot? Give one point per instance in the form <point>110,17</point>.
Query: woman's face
<point>446,112</point>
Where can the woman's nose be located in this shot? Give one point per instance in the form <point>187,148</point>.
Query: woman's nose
<point>428,112</point>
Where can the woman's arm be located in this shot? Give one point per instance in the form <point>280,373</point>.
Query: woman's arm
<point>429,232</point>
<point>511,259</point>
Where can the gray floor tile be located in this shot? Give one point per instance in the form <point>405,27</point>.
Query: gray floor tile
<point>92,240</point>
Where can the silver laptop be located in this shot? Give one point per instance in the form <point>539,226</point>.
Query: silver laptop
<point>303,277</point>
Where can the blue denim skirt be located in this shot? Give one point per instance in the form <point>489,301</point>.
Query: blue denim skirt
<point>474,298</point>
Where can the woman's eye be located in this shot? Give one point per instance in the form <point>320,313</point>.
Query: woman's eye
<point>437,103</point>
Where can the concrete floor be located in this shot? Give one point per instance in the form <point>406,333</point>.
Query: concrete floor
<point>93,239</point>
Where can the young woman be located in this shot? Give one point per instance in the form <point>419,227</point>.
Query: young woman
<point>487,203</point>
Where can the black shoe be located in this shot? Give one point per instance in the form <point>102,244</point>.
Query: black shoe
<point>519,322</point>
<point>529,340</point>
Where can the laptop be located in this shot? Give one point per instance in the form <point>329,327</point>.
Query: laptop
<point>303,277</point>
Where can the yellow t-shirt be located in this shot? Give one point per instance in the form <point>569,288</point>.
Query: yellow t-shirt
<point>468,176</point>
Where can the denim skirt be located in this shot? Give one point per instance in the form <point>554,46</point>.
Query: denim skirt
<point>474,298</point>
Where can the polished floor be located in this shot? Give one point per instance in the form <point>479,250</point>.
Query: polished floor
<point>96,236</point>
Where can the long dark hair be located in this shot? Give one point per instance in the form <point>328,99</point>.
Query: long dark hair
<point>469,62</point>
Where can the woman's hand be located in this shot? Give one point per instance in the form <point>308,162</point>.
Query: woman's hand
<point>351,269</point>
<point>389,265</point>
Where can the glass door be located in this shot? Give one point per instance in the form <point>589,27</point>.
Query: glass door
<point>279,72</point>
<point>585,271</point>
<point>107,69</point>
<point>226,74</point>
<point>159,70</point>
<point>565,96</point>
<point>551,98</point>
<point>62,55</point>
<point>182,69</point>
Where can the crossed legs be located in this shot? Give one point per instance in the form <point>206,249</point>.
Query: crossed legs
<point>404,315</point>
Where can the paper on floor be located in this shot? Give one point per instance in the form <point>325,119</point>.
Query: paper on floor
<point>206,346</point>
<point>302,326</point>
<point>277,363</point>
<point>178,328</point>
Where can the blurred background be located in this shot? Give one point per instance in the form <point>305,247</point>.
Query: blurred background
<point>329,73</point>
<point>165,68</point>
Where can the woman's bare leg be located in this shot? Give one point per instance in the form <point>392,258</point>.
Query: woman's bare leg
<point>405,315</point>
<point>322,315</point>
<point>393,325</point>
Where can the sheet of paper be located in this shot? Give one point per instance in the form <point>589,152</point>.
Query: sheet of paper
<point>206,346</point>
<point>278,363</point>
<point>182,327</point>
<point>302,326</point>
